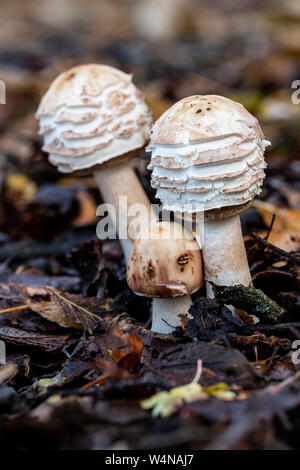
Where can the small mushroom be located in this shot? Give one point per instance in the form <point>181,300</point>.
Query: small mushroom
<point>208,158</point>
<point>94,119</point>
<point>165,264</point>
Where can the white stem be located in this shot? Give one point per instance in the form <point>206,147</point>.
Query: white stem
<point>117,184</point>
<point>165,313</point>
<point>224,254</point>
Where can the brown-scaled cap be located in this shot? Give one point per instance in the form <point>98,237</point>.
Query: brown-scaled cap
<point>91,114</point>
<point>204,117</point>
<point>207,153</point>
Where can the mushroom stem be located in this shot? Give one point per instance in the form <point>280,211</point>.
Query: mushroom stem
<point>121,188</point>
<point>224,255</point>
<point>165,313</point>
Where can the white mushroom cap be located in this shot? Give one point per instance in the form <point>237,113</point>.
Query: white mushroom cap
<point>207,153</point>
<point>165,262</point>
<point>90,115</point>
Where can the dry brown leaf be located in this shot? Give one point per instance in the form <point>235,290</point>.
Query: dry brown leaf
<point>127,357</point>
<point>286,228</point>
<point>117,354</point>
<point>67,310</point>
<point>135,343</point>
<point>48,343</point>
<point>7,372</point>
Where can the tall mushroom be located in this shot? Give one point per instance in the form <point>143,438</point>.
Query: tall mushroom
<point>93,118</point>
<point>208,156</point>
<point>165,264</point>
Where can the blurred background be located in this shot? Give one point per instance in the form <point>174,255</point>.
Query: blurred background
<point>247,50</point>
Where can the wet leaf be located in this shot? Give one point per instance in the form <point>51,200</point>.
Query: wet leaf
<point>48,343</point>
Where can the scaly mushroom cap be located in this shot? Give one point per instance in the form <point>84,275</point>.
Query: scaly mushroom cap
<point>165,261</point>
<point>90,115</point>
<point>207,153</point>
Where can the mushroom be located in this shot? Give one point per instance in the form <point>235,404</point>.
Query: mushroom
<point>208,158</point>
<point>165,264</point>
<point>94,119</point>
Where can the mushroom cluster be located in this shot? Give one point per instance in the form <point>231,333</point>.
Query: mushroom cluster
<point>208,157</point>
<point>93,118</point>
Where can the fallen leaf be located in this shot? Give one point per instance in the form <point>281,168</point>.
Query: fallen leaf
<point>44,384</point>
<point>48,343</point>
<point>128,358</point>
<point>259,339</point>
<point>135,343</point>
<point>67,310</point>
<point>7,372</point>
<point>286,227</point>
<point>116,354</point>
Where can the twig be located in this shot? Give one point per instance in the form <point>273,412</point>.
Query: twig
<point>29,249</point>
<point>97,381</point>
<point>294,331</point>
<point>281,326</point>
<point>13,309</point>
<point>270,226</point>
